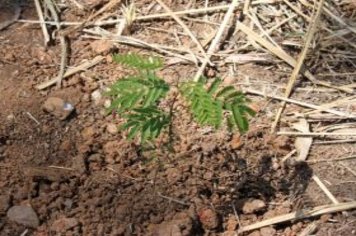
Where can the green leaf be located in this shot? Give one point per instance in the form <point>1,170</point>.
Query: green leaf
<point>240,119</point>
<point>236,97</point>
<point>136,91</point>
<point>225,91</point>
<point>133,131</point>
<point>146,121</point>
<point>249,111</point>
<point>214,86</point>
<point>205,109</point>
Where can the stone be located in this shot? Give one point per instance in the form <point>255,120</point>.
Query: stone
<point>209,218</point>
<point>236,141</point>
<point>58,107</point>
<point>255,233</point>
<point>96,96</point>
<point>253,205</point>
<point>107,103</point>
<point>4,203</point>
<point>268,231</point>
<point>88,133</point>
<point>63,224</point>
<point>23,215</point>
<point>112,128</point>
<point>325,218</point>
<point>232,224</point>
<point>229,233</point>
<point>101,46</point>
<point>10,117</point>
<point>181,225</point>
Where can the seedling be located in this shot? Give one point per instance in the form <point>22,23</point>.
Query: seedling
<point>136,98</point>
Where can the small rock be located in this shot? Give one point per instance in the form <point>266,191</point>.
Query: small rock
<point>181,225</point>
<point>41,54</point>
<point>236,141</point>
<point>112,128</point>
<point>255,233</point>
<point>229,233</point>
<point>4,203</point>
<point>88,133</point>
<point>253,205</point>
<point>66,145</point>
<point>10,117</point>
<point>68,203</point>
<point>79,164</point>
<point>96,96</point>
<point>23,215</point>
<point>101,46</point>
<point>107,103</point>
<point>85,97</point>
<point>232,223</point>
<point>288,231</point>
<point>208,175</point>
<point>58,107</point>
<point>325,218</point>
<point>111,150</point>
<point>209,218</point>
<point>297,227</point>
<point>268,231</point>
<point>63,224</point>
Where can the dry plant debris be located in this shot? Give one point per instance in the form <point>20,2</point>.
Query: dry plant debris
<point>294,58</point>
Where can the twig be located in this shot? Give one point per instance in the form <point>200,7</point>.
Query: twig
<point>346,100</point>
<point>185,12</point>
<point>77,4</point>
<point>172,199</point>
<point>288,155</point>
<point>331,160</point>
<point>138,18</point>
<point>122,175</point>
<point>185,28</point>
<point>63,42</point>
<point>24,232</point>
<point>323,27</point>
<point>285,56</point>
<point>299,63</point>
<point>246,7</point>
<point>215,41</point>
<point>140,43</point>
<point>321,134</point>
<point>106,7</point>
<point>43,25</point>
<point>72,71</point>
<point>325,189</point>
<point>336,141</point>
<point>300,103</point>
<point>348,168</point>
<point>32,118</point>
<point>236,215</point>
<point>301,214</point>
<point>62,23</point>
<point>332,15</point>
<point>327,192</point>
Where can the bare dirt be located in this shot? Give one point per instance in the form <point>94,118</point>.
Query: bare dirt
<point>82,177</point>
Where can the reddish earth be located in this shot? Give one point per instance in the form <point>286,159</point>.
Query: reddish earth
<point>81,177</point>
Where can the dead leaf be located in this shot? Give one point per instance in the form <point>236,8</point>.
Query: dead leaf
<point>302,144</point>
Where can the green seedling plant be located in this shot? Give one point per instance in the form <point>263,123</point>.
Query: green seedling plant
<point>137,97</point>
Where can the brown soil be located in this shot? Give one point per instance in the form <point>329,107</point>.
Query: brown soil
<point>83,178</point>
